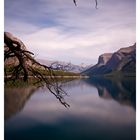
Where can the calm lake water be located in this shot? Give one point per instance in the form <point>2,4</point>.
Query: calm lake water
<point>100,109</point>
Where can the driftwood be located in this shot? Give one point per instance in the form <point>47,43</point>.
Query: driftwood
<point>14,47</point>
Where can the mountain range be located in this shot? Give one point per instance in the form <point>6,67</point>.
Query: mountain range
<point>66,66</point>
<point>123,60</point>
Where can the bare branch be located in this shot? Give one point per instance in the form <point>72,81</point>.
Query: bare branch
<point>96,6</point>
<point>28,66</point>
<point>75,2</point>
<point>96,3</point>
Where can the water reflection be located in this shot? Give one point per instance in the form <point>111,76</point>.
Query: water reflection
<point>122,90</point>
<point>100,110</point>
<point>15,99</point>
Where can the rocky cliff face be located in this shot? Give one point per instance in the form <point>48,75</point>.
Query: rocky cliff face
<point>123,60</point>
<point>103,59</point>
<point>13,61</point>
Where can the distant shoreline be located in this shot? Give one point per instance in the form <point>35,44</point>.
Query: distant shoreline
<point>80,76</point>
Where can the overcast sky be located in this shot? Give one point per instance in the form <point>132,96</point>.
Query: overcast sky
<point>57,30</point>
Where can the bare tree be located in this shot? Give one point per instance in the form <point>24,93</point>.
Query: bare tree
<point>14,47</point>
<point>26,67</point>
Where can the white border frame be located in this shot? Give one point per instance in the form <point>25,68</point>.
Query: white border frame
<point>1,70</point>
<point>137,69</point>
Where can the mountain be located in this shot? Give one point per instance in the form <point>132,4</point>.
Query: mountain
<point>66,66</point>
<point>123,60</point>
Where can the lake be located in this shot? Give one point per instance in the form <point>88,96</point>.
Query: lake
<point>100,109</point>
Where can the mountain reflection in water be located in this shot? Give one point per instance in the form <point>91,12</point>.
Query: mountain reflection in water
<point>16,98</point>
<point>123,90</point>
<point>100,109</point>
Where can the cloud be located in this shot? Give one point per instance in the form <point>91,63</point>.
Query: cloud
<point>57,44</point>
<point>59,30</point>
